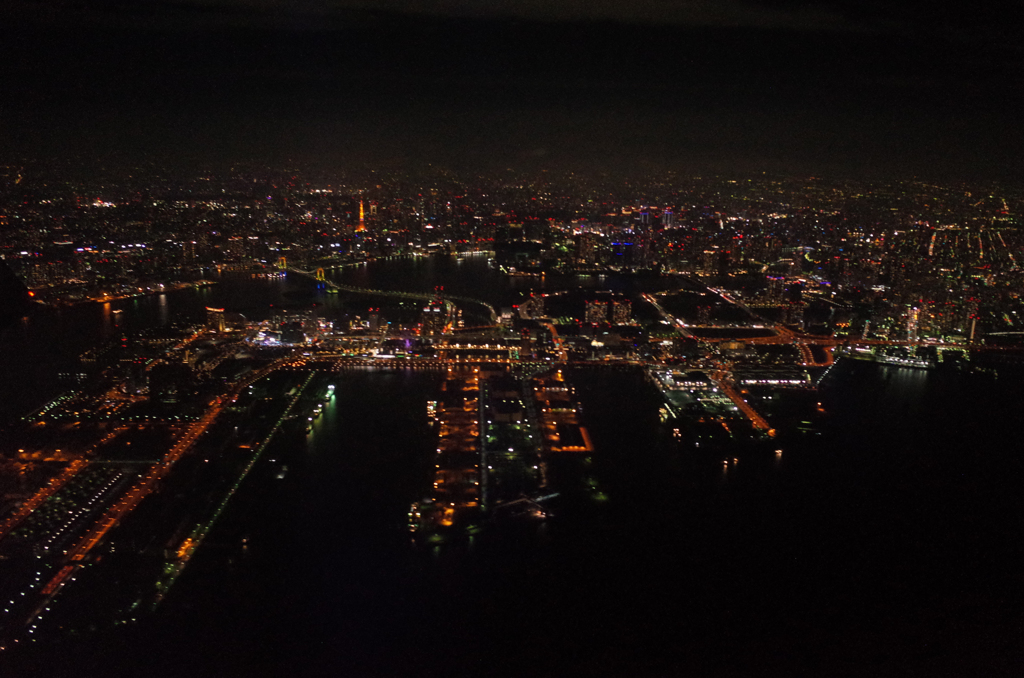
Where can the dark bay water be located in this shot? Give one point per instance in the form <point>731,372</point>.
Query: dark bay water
<point>888,546</point>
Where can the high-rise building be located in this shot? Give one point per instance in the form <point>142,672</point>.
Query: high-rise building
<point>970,312</point>
<point>709,261</point>
<point>622,311</point>
<point>235,249</point>
<point>36,275</point>
<point>912,318</point>
<point>215,319</point>
<point>435,319</point>
<point>432,320</point>
<point>587,249</point>
<point>597,311</point>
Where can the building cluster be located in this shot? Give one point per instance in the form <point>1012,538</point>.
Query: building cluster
<point>897,260</point>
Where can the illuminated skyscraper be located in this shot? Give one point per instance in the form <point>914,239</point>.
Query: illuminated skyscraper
<point>709,261</point>
<point>432,319</point>
<point>775,289</point>
<point>215,319</point>
<point>912,317</point>
<point>587,249</point>
<point>362,224</point>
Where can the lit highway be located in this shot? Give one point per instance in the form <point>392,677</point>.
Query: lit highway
<point>192,542</point>
<point>114,513</point>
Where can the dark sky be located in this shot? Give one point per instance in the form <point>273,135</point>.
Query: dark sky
<point>860,88</point>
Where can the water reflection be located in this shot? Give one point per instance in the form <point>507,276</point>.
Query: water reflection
<point>107,319</point>
<point>904,389</point>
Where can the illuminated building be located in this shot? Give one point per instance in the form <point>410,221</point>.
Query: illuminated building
<point>597,312</point>
<point>912,316</point>
<point>433,319</point>
<point>709,262</point>
<point>675,380</point>
<point>235,249</point>
<point>776,289</point>
<point>774,375</point>
<point>622,311</point>
<point>362,223</point>
<point>587,249</point>
<point>215,319</point>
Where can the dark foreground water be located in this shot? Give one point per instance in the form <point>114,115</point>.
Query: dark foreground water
<point>889,546</point>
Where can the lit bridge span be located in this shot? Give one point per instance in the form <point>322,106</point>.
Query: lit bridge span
<point>320,277</point>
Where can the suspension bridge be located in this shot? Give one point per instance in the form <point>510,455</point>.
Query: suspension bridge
<point>320,276</point>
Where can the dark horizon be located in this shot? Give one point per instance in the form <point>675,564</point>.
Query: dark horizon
<point>483,93</point>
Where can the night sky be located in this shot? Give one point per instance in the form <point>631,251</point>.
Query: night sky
<point>869,89</point>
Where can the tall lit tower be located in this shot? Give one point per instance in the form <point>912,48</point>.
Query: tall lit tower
<point>362,224</point>
<point>912,316</point>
